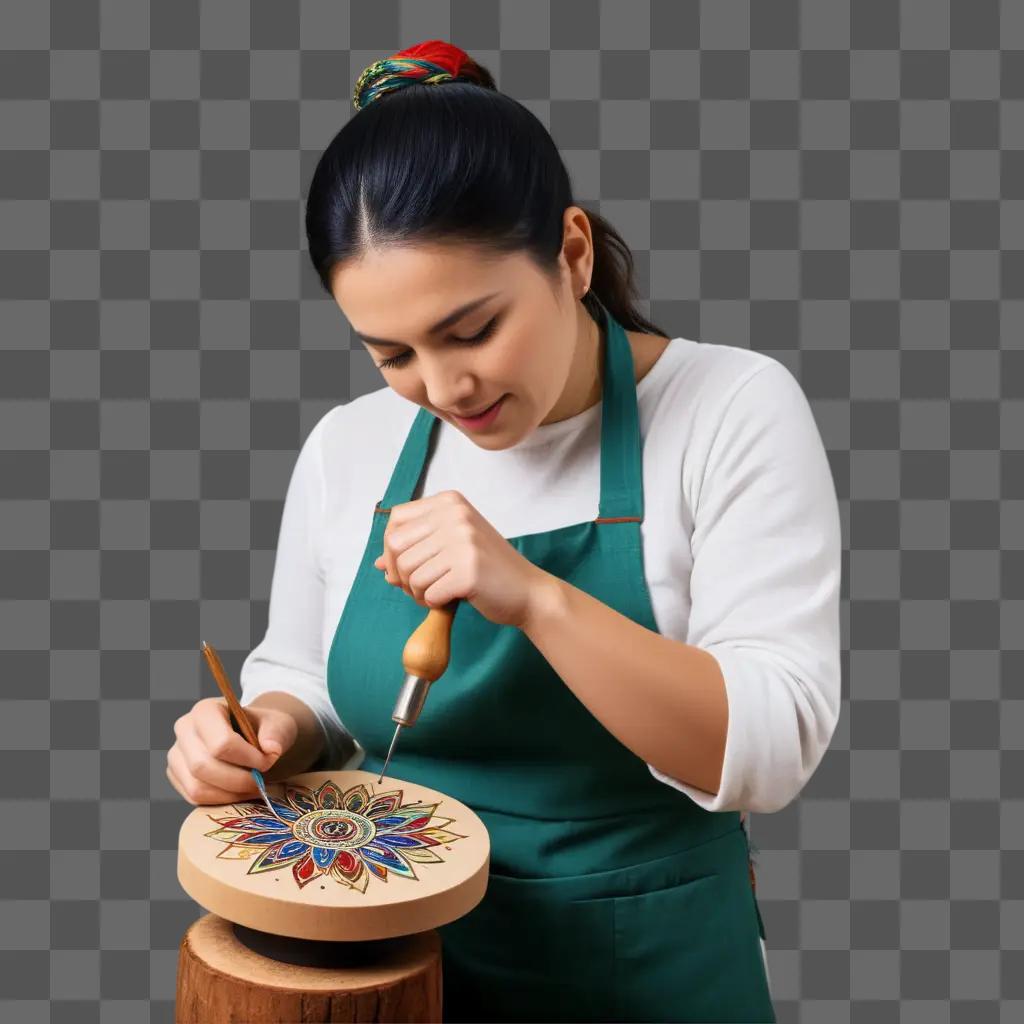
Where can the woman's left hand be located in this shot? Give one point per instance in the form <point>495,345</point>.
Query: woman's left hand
<point>440,548</point>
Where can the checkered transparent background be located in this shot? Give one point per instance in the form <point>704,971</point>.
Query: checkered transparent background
<point>838,185</point>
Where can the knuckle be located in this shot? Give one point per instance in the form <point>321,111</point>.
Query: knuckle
<point>220,747</point>
<point>179,777</point>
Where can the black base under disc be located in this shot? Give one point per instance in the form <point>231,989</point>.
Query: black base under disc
<point>315,952</point>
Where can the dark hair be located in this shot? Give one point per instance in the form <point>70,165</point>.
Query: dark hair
<point>457,161</point>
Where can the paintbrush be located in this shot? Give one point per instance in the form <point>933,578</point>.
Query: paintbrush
<point>238,714</point>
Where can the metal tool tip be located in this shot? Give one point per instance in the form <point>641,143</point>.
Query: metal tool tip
<point>387,760</point>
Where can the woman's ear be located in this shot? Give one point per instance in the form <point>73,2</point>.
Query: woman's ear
<point>578,247</point>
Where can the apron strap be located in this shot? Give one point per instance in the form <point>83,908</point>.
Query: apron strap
<point>411,462</point>
<point>622,492</point>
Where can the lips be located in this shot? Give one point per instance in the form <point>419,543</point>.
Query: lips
<point>479,412</point>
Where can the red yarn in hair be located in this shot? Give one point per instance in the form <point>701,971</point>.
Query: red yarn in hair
<point>437,51</point>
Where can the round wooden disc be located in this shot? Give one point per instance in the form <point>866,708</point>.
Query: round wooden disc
<point>343,859</point>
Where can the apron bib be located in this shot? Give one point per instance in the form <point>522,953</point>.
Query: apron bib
<point>611,896</point>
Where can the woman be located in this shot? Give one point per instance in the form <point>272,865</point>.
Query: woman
<point>644,537</point>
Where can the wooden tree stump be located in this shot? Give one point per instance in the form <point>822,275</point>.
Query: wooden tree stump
<point>269,979</point>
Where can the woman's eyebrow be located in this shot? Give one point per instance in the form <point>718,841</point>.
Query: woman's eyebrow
<point>441,324</point>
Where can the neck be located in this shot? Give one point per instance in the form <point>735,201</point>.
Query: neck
<point>586,373</point>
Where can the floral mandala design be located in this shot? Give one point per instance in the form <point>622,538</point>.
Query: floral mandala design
<point>348,835</point>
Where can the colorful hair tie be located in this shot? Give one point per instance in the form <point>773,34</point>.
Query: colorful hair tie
<point>430,62</point>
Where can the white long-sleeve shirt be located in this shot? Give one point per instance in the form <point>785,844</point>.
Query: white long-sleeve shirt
<point>741,538</point>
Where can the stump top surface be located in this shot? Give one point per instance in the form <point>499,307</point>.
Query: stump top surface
<point>342,859</point>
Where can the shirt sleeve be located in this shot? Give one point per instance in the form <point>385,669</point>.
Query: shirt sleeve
<point>290,657</point>
<point>764,592</point>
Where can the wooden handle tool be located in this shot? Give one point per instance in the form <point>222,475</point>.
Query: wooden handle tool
<point>425,657</point>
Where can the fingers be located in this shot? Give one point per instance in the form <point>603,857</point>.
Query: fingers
<point>194,790</point>
<point>277,730</point>
<point>419,544</point>
<point>173,779</point>
<point>387,562</point>
<point>204,768</point>
<point>202,765</point>
<point>212,723</point>
<point>396,541</point>
<point>210,763</point>
<point>424,577</point>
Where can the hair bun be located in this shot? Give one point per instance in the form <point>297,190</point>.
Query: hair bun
<point>431,62</point>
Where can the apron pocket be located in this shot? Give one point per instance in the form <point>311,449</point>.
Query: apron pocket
<point>526,954</point>
<point>691,951</point>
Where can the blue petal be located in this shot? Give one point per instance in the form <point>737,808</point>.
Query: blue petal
<point>292,848</point>
<point>271,824</point>
<point>394,840</point>
<point>284,810</point>
<point>323,858</point>
<point>381,856</point>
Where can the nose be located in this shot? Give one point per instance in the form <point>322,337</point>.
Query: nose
<point>447,388</point>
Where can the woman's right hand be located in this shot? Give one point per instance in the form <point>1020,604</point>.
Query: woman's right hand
<point>209,762</point>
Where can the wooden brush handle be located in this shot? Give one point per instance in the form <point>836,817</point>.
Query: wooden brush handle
<point>429,648</point>
<point>236,709</point>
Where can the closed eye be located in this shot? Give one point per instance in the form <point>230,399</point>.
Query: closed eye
<point>481,336</point>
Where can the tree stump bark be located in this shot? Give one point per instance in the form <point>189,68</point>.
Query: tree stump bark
<point>222,978</point>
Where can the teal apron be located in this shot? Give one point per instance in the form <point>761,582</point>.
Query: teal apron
<point>612,896</point>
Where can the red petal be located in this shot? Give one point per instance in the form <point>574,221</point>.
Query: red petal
<point>304,869</point>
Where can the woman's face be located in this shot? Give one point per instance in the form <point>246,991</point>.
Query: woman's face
<point>515,341</point>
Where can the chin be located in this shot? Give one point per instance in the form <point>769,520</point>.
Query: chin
<point>492,444</point>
